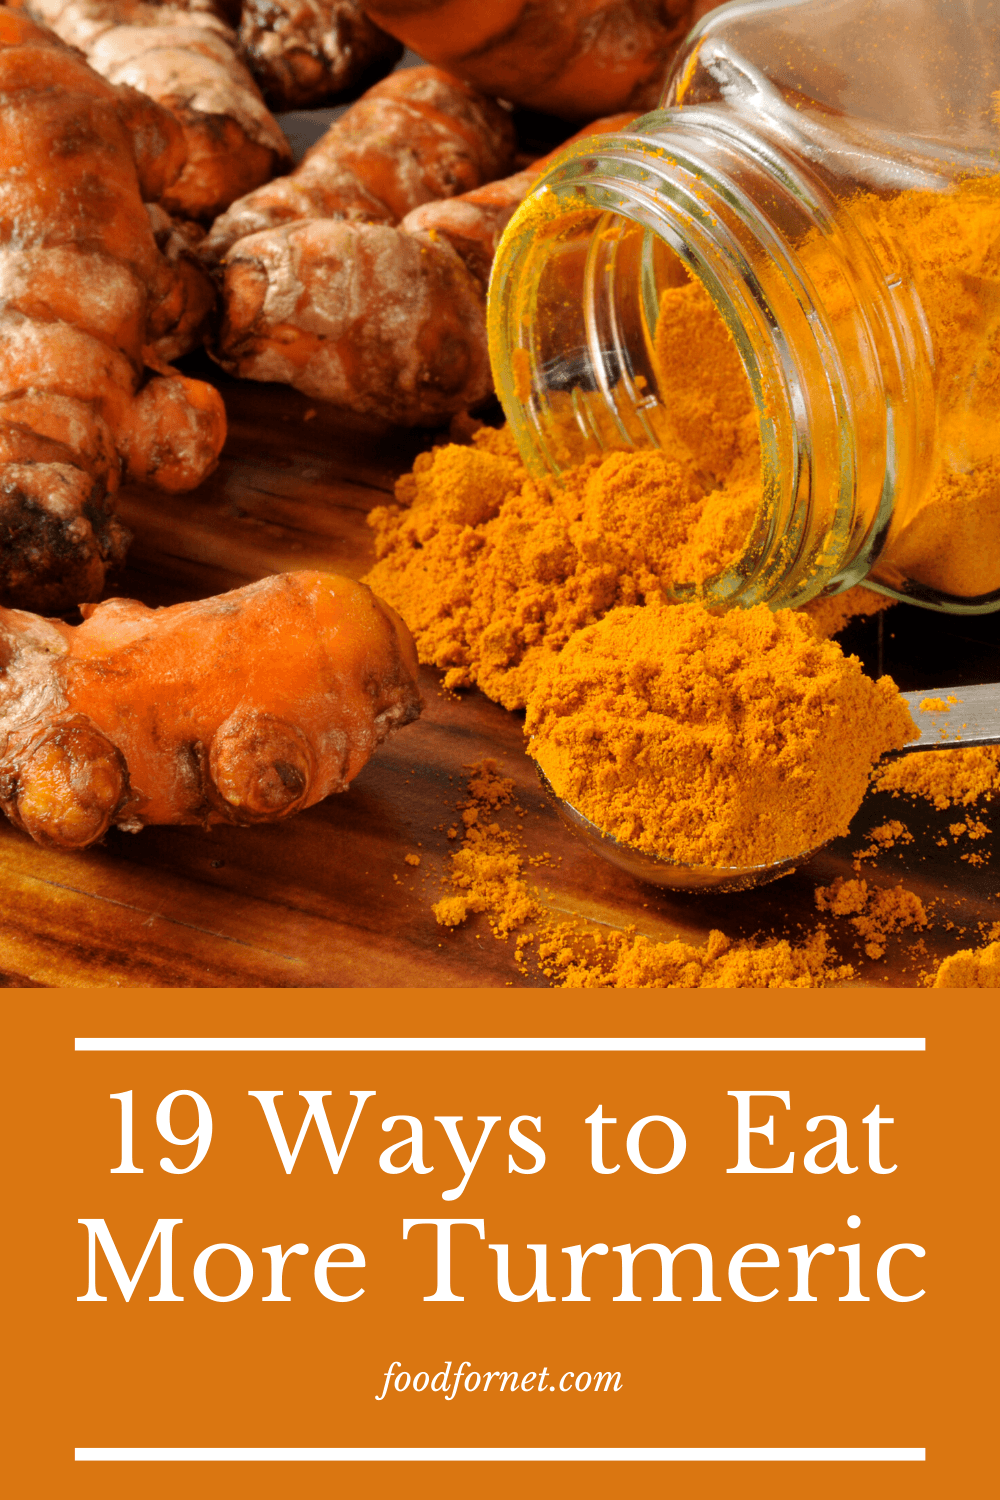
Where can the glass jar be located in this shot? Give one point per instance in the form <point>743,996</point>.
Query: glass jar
<point>829,171</point>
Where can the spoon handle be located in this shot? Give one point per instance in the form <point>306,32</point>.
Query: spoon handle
<point>974,719</point>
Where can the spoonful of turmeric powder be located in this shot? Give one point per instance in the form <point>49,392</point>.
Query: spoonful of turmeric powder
<point>721,751</point>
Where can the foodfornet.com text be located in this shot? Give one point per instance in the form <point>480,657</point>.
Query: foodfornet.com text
<point>448,1383</point>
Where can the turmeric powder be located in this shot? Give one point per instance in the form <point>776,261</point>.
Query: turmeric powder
<point>938,705</point>
<point>940,252</point>
<point>487,876</point>
<point>944,535</point>
<point>831,613</point>
<point>494,591</point>
<point>969,969</point>
<point>955,779</point>
<point>532,589</point>
<point>631,961</point>
<point>494,570</point>
<point>946,247</point>
<point>712,417</point>
<point>886,836</point>
<point>874,914</point>
<point>735,740</point>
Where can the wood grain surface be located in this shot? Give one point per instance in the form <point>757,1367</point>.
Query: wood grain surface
<point>327,899</point>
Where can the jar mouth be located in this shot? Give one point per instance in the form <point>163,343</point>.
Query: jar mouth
<point>607,219</point>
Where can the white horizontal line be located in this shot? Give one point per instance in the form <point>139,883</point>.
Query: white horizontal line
<point>500,1044</point>
<point>499,1455</point>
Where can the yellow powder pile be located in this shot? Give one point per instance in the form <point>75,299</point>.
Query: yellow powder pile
<point>946,778</point>
<point>888,835</point>
<point>730,740</point>
<point>875,913</point>
<point>494,571</point>
<point>946,536</point>
<point>487,876</point>
<point>486,872</point>
<point>832,612</point>
<point>635,962</point>
<point>706,399</point>
<point>974,827</point>
<point>970,969</point>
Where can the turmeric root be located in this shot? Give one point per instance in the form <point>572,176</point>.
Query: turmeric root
<point>385,321</point>
<point>577,59</point>
<point>184,56</point>
<point>357,314</point>
<point>306,52</point>
<point>185,315</point>
<point>416,136</point>
<point>239,709</point>
<point>473,222</point>
<point>86,301</point>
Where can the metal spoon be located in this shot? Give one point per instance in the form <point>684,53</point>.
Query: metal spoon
<point>973,720</point>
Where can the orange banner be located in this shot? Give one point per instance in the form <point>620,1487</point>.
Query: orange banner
<point>698,1245</point>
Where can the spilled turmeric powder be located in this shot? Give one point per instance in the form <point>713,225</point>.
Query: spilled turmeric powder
<point>506,579</point>
<point>970,969</point>
<point>874,913</point>
<point>730,740</point>
<point>888,835</point>
<point>937,705</point>
<point>956,778</point>
<point>831,613</point>
<point>493,571</point>
<point>487,876</point>
<point>944,534</point>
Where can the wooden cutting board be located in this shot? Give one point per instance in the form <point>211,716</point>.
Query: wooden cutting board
<point>328,899</point>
